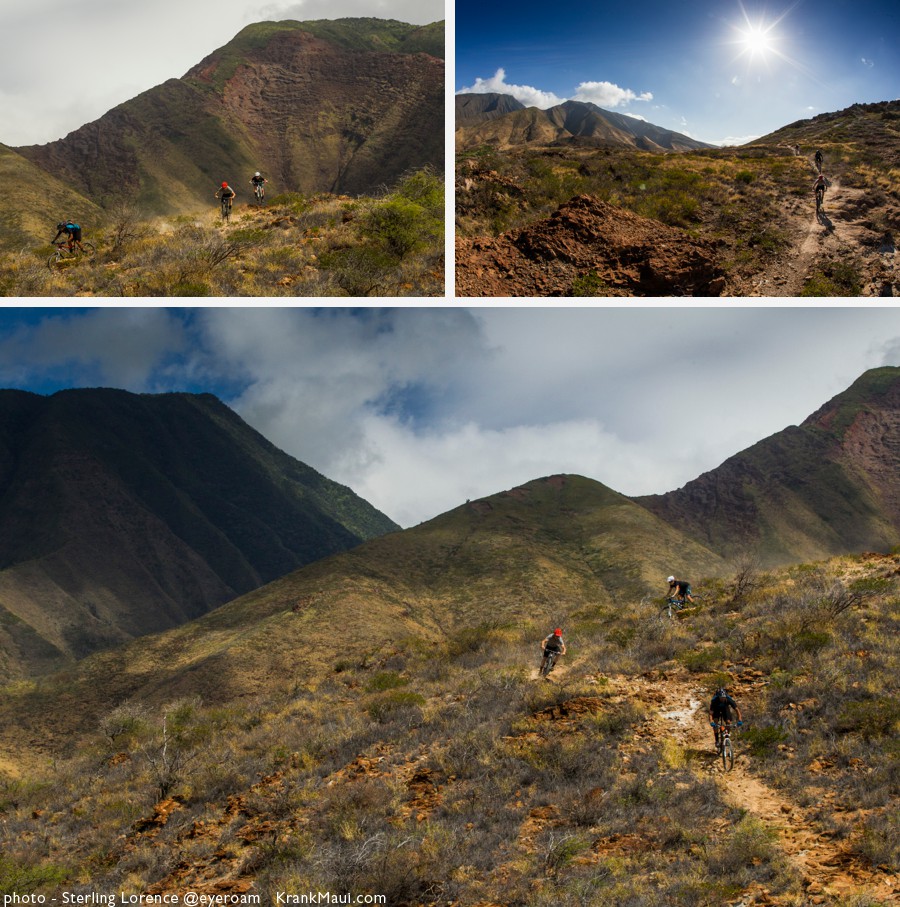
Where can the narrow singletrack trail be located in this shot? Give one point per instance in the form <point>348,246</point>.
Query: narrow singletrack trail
<point>828,867</point>
<point>843,233</point>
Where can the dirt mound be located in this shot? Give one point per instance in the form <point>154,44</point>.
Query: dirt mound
<point>589,247</point>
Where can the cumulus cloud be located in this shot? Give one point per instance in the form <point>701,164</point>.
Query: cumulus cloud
<point>529,96</point>
<point>606,94</point>
<point>603,94</point>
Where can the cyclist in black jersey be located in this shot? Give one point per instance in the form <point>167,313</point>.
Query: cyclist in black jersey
<point>722,709</point>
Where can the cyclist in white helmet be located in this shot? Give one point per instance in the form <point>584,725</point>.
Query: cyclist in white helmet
<point>680,589</point>
<point>259,182</point>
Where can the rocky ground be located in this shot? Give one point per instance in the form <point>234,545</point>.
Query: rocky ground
<point>768,242</point>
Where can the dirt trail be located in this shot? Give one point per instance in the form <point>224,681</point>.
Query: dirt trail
<point>842,233</point>
<point>827,866</point>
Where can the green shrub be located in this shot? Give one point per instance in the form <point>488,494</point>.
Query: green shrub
<point>744,176</point>
<point>763,740</point>
<point>702,659</point>
<point>386,680</point>
<point>590,284</point>
<point>870,718</point>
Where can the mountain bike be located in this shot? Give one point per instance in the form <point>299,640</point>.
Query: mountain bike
<point>63,253</point>
<point>226,207</point>
<point>548,661</point>
<point>724,747</point>
<point>260,193</point>
<point>820,201</point>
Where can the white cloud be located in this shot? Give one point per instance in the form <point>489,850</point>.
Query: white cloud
<point>419,409</point>
<point>529,96</point>
<point>603,94</point>
<point>867,63</point>
<point>732,141</point>
<point>606,94</point>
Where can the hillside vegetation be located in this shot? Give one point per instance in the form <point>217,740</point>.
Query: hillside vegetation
<point>125,514</point>
<point>296,245</point>
<point>752,207</point>
<point>344,106</point>
<point>436,768</point>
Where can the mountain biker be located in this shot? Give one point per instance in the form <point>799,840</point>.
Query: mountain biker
<point>258,180</point>
<point>553,643</point>
<point>820,185</point>
<point>721,708</point>
<point>819,160</point>
<point>72,230</point>
<point>225,193</point>
<point>680,589</point>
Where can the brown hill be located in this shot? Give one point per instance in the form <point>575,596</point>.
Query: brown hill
<point>504,122</point>
<point>825,487</point>
<point>591,244</point>
<point>476,108</point>
<point>125,514</point>
<point>347,105</point>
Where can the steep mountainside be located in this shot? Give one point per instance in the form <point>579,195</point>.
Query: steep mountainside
<point>122,515</point>
<point>35,201</point>
<point>826,487</point>
<point>477,108</point>
<point>504,122</point>
<point>347,105</point>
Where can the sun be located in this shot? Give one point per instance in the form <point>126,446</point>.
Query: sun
<point>757,40</point>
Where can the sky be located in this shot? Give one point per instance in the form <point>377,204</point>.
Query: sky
<point>420,409</point>
<point>721,71</point>
<point>60,69</point>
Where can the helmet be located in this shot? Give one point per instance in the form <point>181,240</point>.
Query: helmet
<point>671,579</point>
<point>224,185</point>
<point>257,173</point>
<point>60,226</point>
<point>557,631</point>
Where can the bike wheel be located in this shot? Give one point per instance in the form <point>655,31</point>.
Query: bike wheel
<point>727,755</point>
<point>88,249</point>
<point>56,259</point>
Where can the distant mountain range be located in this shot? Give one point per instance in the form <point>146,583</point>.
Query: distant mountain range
<point>124,514</point>
<point>505,122</point>
<point>344,106</point>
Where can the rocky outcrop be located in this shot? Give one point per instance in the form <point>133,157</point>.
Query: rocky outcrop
<point>588,242</point>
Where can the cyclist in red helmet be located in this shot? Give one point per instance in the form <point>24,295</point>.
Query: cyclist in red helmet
<point>553,644</point>
<point>226,195</point>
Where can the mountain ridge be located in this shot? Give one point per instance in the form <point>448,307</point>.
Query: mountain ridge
<point>503,121</point>
<point>333,105</point>
<point>124,514</point>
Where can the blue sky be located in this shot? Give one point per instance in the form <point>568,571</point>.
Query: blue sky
<point>718,71</point>
<point>418,409</point>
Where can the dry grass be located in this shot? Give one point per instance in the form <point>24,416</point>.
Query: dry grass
<point>476,783</point>
<point>294,246</point>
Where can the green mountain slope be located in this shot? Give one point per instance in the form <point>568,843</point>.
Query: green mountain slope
<point>547,552</point>
<point>35,200</point>
<point>811,491</point>
<point>343,106</point>
<point>122,515</point>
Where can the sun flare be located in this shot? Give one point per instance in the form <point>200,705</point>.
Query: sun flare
<point>757,40</point>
